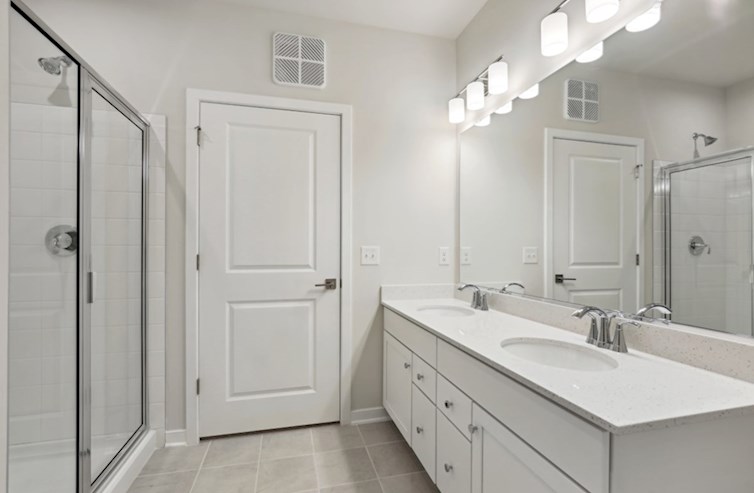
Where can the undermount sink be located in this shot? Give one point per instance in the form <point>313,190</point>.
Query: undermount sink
<point>446,310</point>
<point>559,354</point>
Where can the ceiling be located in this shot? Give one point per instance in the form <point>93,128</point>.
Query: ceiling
<point>703,41</point>
<point>442,18</point>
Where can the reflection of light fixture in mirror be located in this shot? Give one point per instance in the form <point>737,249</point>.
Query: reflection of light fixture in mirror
<point>505,109</point>
<point>648,19</point>
<point>708,141</point>
<point>456,110</point>
<point>601,10</point>
<point>484,121</point>
<point>530,93</point>
<point>554,34</point>
<point>475,95</point>
<point>592,54</point>
<point>497,77</point>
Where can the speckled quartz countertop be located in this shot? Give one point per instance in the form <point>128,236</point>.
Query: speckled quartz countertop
<point>643,392</point>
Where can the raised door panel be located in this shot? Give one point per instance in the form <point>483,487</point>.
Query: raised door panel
<point>397,384</point>
<point>423,416</point>
<point>453,458</point>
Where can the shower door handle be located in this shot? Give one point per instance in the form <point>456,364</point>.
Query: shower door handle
<point>91,280</point>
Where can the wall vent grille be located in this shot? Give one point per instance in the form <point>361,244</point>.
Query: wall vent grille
<point>582,101</point>
<point>299,60</point>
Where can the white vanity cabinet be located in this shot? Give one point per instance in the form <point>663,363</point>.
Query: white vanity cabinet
<point>396,384</point>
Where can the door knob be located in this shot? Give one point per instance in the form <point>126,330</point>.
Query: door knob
<point>328,284</point>
<point>560,279</point>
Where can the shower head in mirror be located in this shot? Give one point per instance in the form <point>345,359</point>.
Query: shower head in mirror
<point>54,65</point>
<point>708,141</point>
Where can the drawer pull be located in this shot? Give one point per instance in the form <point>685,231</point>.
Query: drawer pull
<point>473,429</point>
<point>419,430</point>
<point>448,467</point>
<point>448,404</point>
<point>419,377</point>
<point>407,365</point>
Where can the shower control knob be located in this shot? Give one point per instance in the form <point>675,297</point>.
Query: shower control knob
<point>62,240</point>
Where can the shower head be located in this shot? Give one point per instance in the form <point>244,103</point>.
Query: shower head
<point>54,65</point>
<point>708,141</point>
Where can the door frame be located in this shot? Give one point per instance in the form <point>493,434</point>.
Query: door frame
<point>194,99</point>
<point>553,134</point>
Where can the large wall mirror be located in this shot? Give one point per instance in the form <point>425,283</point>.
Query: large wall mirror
<point>627,180</point>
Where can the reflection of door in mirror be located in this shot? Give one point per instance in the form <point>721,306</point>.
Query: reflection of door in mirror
<point>595,233</point>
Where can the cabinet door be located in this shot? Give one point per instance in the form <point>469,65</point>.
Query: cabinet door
<point>453,458</point>
<point>423,430</point>
<point>503,463</point>
<point>396,393</point>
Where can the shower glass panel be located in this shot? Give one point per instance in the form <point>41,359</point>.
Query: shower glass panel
<point>116,257</point>
<point>711,244</point>
<point>43,264</point>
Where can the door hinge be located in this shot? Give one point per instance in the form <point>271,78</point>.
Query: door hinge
<point>638,259</point>
<point>197,261</point>
<point>637,171</point>
<point>198,387</point>
<point>198,129</point>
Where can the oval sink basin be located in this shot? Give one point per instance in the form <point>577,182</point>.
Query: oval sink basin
<point>559,354</point>
<point>446,311</point>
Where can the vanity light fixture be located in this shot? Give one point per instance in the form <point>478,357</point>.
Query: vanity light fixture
<point>601,10</point>
<point>475,95</point>
<point>648,19</point>
<point>497,77</point>
<point>592,54</point>
<point>456,110</point>
<point>505,109</point>
<point>484,122</point>
<point>530,93</point>
<point>554,34</point>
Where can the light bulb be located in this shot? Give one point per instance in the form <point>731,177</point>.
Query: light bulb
<point>601,10</point>
<point>592,54</point>
<point>456,110</point>
<point>497,78</point>
<point>554,34</point>
<point>648,19</point>
<point>484,121</point>
<point>505,109</point>
<point>530,93</point>
<point>475,95</point>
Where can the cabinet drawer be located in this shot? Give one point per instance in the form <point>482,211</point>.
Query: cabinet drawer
<point>577,447</point>
<point>454,404</point>
<point>423,416</point>
<point>453,458</point>
<point>424,377</point>
<point>412,336</point>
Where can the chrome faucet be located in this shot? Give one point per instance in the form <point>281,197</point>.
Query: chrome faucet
<point>504,290</point>
<point>619,340</point>
<point>479,300</point>
<point>597,315</point>
<point>659,307</point>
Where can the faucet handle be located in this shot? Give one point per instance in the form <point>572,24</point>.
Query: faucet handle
<point>619,339</point>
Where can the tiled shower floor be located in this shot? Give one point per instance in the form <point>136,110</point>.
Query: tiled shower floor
<point>370,458</point>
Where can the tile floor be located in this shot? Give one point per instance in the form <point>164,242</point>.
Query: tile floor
<point>370,458</point>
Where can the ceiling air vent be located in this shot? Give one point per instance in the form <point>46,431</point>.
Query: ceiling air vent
<point>298,60</point>
<point>582,101</point>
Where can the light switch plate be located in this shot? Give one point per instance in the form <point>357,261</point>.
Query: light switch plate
<point>466,256</point>
<point>443,256</point>
<point>531,255</point>
<point>370,255</point>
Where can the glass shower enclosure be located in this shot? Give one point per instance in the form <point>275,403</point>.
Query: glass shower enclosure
<point>77,393</point>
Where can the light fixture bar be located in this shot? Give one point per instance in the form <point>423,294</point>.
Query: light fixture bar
<point>483,75</point>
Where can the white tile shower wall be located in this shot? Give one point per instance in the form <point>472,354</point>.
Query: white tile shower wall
<point>43,288</point>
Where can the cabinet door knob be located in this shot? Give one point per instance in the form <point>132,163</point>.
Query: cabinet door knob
<point>407,365</point>
<point>448,404</point>
<point>419,376</point>
<point>448,467</point>
<point>473,429</point>
<point>419,430</point>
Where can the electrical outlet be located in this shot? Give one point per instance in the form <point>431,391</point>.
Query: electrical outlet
<point>531,255</point>
<point>370,255</point>
<point>443,256</point>
<point>466,256</point>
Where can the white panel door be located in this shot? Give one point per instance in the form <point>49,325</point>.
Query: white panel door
<point>269,232</point>
<point>595,224</point>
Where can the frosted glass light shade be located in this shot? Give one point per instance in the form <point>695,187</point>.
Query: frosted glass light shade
<point>497,78</point>
<point>505,109</point>
<point>530,93</point>
<point>648,19</point>
<point>592,54</point>
<point>554,34</point>
<point>484,121</point>
<point>601,10</point>
<point>475,95</point>
<point>456,110</point>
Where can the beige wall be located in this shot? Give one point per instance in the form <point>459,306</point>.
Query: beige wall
<point>404,149</point>
<point>4,216</point>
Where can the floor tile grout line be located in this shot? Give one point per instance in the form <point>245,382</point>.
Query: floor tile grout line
<point>314,460</point>
<point>201,464</point>
<point>371,461</point>
<point>259,463</point>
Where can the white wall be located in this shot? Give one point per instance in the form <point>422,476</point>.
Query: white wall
<point>740,109</point>
<point>404,149</point>
<point>4,232</point>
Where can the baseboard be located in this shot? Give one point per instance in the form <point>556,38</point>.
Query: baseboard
<point>369,415</point>
<point>124,476</point>
<point>175,438</point>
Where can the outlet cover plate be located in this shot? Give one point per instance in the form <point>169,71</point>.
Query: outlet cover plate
<point>443,256</point>
<point>531,255</point>
<point>370,255</point>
